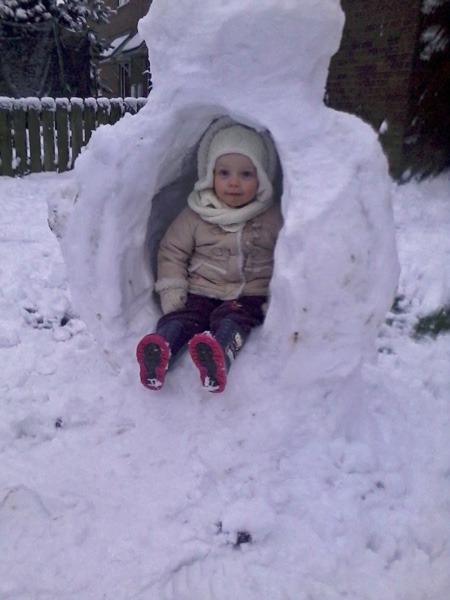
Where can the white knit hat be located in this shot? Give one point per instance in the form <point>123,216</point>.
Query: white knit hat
<point>226,136</point>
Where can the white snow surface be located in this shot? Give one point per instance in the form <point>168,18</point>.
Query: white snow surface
<point>110,491</point>
<point>333,468</point>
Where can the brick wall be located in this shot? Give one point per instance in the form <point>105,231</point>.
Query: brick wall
<point>370,75</point>
<point>125,18</point>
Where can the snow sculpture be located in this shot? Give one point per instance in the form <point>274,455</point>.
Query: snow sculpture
<point>264,63</point>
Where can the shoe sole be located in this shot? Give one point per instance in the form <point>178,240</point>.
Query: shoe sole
<point>153,355</point>
<point>208,357</point>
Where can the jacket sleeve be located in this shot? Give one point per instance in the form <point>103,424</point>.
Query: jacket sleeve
<point>175,252</point>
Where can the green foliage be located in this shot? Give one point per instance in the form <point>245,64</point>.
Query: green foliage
<point>434,323</point>
<point>77,16</point>
<point>426,147</point>
<point>72,14</point>
<point>26,11</point>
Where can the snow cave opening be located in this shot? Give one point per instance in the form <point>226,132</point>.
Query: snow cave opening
<point>171,198</point>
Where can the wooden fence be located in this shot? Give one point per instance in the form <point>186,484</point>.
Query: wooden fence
<point>48,134</point>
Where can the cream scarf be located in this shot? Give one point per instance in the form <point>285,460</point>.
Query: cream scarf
<point>206,204</point>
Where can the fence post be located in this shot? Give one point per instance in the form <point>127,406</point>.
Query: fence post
<point>90,108</point>
<point>76,127</point>
<point>34,133</point>
<point>62,133</point>
<point>131,105</point>
<point>117,110</point>
<point>141,102</point>
<point>6,148</point>
<point>48,133</point>
<point>103,105</point>
<point>19,117</point>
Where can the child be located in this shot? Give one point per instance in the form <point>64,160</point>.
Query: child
<point>215,261</point>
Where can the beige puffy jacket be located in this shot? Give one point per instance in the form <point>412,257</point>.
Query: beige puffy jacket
<point>204,259</point>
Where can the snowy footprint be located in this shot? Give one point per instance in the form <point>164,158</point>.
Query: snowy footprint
<point>230,576</point>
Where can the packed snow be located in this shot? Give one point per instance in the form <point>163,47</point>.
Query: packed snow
<point>322,472</point>
<point>335,265</point>
<point>110,491</point>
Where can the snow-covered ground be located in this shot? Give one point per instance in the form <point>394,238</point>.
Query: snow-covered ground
<point>317,474</point>
<point>108,491</point>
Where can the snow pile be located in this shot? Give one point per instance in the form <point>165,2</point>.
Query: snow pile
<point>425,287</point>
<point>107,491</point>
<point>336,266</point>
<point>229,494</point>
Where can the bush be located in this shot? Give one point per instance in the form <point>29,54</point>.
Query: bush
<point>434,323</point>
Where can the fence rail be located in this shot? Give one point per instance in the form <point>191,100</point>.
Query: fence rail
<point>47,134</point>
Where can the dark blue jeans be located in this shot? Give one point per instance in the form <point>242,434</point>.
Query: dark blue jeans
<point>205,314</point>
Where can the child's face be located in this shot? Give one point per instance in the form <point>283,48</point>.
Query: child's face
<point>235,180</point>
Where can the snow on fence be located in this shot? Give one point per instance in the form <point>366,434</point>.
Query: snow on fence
<point>47,134</point>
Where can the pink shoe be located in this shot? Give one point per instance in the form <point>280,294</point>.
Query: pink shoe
<point>153,355</point>
<point>208,356</point>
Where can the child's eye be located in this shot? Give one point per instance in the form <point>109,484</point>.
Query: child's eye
<point>247,174</point>
<point>223,172</point>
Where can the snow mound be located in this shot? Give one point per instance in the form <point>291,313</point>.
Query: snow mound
<point>336,264</point>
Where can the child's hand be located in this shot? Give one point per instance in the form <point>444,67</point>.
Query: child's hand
<point>173,299</point>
